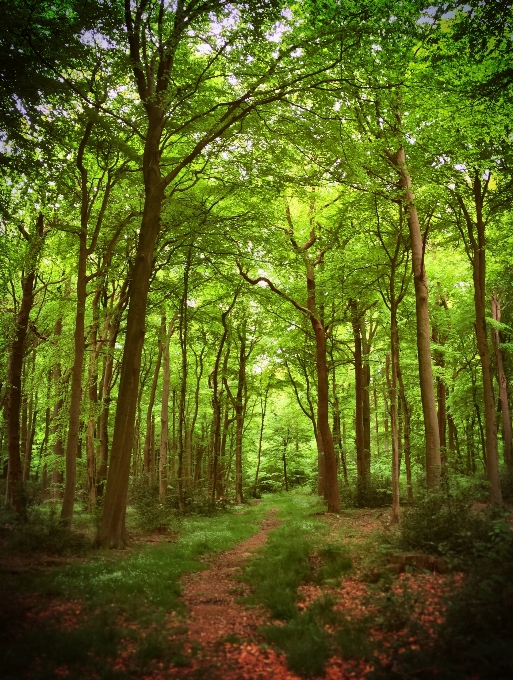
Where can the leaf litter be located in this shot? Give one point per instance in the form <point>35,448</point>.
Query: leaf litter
<point>220,637</point>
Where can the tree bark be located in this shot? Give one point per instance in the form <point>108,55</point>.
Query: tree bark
<point>439,338</point>
<point>164,412</point>
<point>376,418</point>
<point>330,463</point>
<point>496,304</point>
<point>433,458</point>
<point>367,338</point>
<point>240,409</point>
<point>391,376</point>
<point>95,344</point>
<point>263,407</point>
<point>217,404</point>
<point>31,416</point>
<point>407,444</point>
<point>15,488</point>
<point>477,243</point>
<point>58,447</point>
<point>112,531</point>
<point>151,402</point>
<point>361,466</point>
<point>284,458</point>
<point>199,375</point>
<point>72,442</point>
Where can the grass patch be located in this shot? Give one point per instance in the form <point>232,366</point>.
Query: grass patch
<point>284,563</point>
<point>335,562</point>
<point>156,647</point>
<point>140,586</point>
<point>308,644</point>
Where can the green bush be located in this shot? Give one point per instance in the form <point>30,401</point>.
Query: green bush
<point>150,513</point>
<point>476,638</point>
<point>374,492</point>
<point>444,523</point>
<point>43,532</point>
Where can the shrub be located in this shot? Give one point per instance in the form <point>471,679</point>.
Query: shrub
<point>150,513</point>
<point>43,532</point>
<point>507,484</point>
<point>445,523</point>
<point>476,638</point>
<point>374,492</point>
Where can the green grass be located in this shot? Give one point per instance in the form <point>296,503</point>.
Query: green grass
<point>141,585</point>
<point>277,572</point>
<point>283,564</point>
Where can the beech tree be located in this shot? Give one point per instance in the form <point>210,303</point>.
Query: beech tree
<point>211,216</point>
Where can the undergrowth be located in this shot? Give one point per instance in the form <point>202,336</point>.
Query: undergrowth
<point>445,522</point>
<point>374,492</point>
<point>275,575</point>
<point>476,636</point>
<point>43,532</point>
<point>140,586</point>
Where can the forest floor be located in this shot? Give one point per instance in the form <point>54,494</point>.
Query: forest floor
<point>278,590</point>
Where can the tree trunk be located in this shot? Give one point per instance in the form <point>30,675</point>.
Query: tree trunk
<point>323,417</point>
<point>15,487</point>
<point>31,417</point>
<point>240,409</point>
<point>44,444</point>
<point>496,302</point>
<point>72,442</point>
<point>367,338</point>
<point>337,433</point>
<point>153,450</point>
<point>323,424</point>
<point>92,381</point>
<point>76,387</point>
<point>263,405</point>
<point>199,375</point>
<point>391,379</point>
<point>149,412</point>
<point>164,413</point>
<point>284,457</point>
<point>216,403</point>
<point>476,238</point>
<point>433,459</point>
<point>58,447</point>
<point>358,372</point>
<point>376,418</point>
<point>406,423</point>
<point>439,338</point>
<point>112,530</point>
<point>112,326</point>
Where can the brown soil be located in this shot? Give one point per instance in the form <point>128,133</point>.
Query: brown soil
<point>215,617</point>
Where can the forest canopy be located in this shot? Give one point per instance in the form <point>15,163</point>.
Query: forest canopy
<point>248,246</point>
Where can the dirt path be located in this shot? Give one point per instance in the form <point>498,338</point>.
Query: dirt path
<point>223,632</point>
<point>211,595</point>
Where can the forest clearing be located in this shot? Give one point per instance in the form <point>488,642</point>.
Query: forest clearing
<point>256,339</point>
